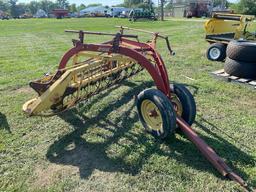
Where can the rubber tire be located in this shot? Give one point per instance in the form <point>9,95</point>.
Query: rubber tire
<point>187,101</point>
<point>240,69</point>
<point>222,49</point>
<point>165,107</point>
<point>242,51</point>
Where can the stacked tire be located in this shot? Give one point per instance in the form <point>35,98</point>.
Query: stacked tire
<point>241,59</point>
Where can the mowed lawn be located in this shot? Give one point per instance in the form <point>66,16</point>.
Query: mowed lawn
<point>101,145</point>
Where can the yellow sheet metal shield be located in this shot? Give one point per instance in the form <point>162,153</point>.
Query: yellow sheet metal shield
<point>222,23</point>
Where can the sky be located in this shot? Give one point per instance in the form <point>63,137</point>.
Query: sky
<point>104,2</point>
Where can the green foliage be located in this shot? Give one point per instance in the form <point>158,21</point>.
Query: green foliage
<point>94,5</point>
<point>4,5</point>
<point>133,3</point>
<point>21,8</point>
<point>33,7</point>
<point>13,8</point>
<point>220,3</point>
<point>245,7</point>
<point>72,8</point>
<point>169,6</point>
<point>16,9</point>
<point>63,4</point>
<point>47,5</point>
<point>81,7</point>
<point>144,4</point>
<point>119,5</point>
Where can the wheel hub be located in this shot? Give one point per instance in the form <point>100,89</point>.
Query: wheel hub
<point>153,113</point>
<point>152,116</point>
<point>215,53</point>
<point>177,105</point>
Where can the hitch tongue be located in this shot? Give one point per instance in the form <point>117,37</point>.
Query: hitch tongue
<point>210,154</point>
<point>232,175</point>
<point>228,172</point>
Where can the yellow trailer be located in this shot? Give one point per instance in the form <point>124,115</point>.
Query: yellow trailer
<point>223,28</point>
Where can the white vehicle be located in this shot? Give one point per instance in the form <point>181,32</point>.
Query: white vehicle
<point>118,11</point>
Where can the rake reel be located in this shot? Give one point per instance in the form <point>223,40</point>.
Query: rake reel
<point>81,81</point>
<point>87,69</point>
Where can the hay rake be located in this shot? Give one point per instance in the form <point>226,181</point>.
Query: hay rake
<point>87,69</point>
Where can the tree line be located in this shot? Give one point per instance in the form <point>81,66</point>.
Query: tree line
<point>15,9</point>
<point>244,7</point>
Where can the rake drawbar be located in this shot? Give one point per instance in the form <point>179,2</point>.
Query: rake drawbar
<point>87,69</point>
<point>210,154</point>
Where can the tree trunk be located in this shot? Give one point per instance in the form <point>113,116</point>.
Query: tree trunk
<point>162,10</point>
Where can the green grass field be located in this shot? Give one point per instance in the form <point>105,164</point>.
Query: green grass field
<point>101,146</point>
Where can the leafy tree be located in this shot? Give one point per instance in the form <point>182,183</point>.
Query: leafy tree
<point>13,8</point>
<point>246,7</point>
<point>63,4</point>
<point>81,7</point>
<point>132,3</point>
<point>169,5</point>
<point>145,4</point>
<point>94,5</point>
<point>52,5</point>
<point>21,8</point>
<point>72,8</point>
<point>47,6</point>
<point>119,5</point>
<point>222,3</point>
<point>33,6</point>
<point>4,6</point>
<point>44,5</point>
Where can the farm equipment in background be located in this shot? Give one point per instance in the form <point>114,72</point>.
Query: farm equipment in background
<point>223,28</point>
<point>60,13</point>
<point>87,69</point>
<point>143,13</point>
<point>136,14</point>
<point>4,16</point>
<point>198,9</point>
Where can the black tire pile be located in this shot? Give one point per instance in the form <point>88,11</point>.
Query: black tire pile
<point>241,59</point>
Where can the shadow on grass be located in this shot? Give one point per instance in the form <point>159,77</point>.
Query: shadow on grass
<point>208,127</point>
<point>76,150</point>
<point>4,123</point>
<point>225,149</point>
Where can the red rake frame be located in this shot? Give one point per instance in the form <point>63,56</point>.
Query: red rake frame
<point>122,44</point>
<point>135,51</point>
<point>146,55</point>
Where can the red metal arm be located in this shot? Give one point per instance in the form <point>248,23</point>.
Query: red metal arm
<point>142,60</point>
<point>209,153</point>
